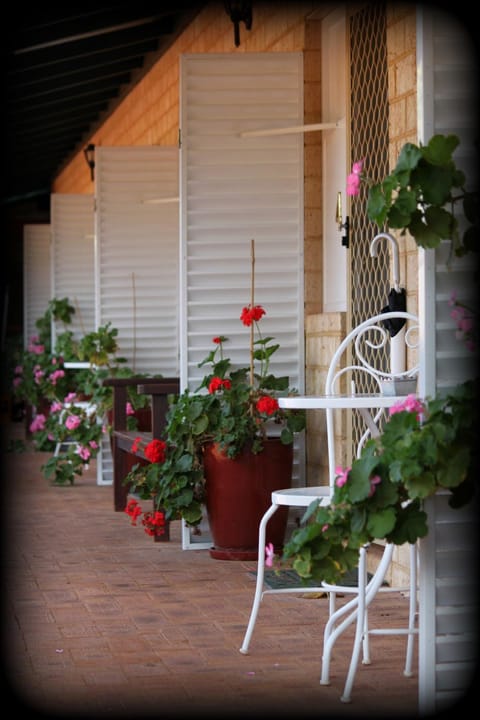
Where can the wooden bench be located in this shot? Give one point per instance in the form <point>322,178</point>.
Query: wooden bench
<point>122,439</point>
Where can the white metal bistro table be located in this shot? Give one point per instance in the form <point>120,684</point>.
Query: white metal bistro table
<point>362,402</point>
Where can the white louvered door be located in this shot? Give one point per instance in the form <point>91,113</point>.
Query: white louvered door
<point>137,231</point>
<point>235,188</point>
<point>448,643</point>
<point>73,274</point>
<point>37,288</point>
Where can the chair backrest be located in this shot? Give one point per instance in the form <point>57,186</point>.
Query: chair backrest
<point>372,358</point>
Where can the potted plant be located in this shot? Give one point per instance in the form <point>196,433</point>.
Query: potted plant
<point>70,407</point>
<point>75,430</point>
<point>38,375</point>
<point>425,447</point>
<point>220,441</point>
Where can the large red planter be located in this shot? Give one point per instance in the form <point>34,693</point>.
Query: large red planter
<point>238,493</point>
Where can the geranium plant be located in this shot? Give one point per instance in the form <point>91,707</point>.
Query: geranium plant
<point>234,407</point>
<point>423,448</point>
<point>41,381</point>
<point>75,429</point>
<point>419,196</point>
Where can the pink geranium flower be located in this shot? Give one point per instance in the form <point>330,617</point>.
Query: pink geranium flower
<point>84,452</point>
<point>38,423</point>
<point>72,422</point>
<point>341,476</point>
<point>269,555</point>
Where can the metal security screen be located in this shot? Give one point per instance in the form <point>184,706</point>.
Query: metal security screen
<point>370,277</point>
<point>369,141</point>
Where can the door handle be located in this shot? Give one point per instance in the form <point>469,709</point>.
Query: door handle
<point>341,224</point>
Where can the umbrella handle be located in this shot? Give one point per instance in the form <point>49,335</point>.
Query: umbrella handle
<point>396,260</point>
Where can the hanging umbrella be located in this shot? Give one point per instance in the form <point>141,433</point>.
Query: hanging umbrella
<point>397,301</point>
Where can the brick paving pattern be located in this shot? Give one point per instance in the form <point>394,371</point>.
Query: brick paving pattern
<point>100,621</point>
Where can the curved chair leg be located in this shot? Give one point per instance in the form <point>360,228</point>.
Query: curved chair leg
<point>260,575</point>
<point>332,632</point>
<point>411,612</point>
<point>366,593</point>
<point>360,629</point>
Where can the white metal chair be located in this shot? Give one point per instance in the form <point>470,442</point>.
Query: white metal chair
<point>366,372</point>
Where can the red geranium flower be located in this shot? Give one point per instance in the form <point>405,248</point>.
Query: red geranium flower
<point>155,451</point>
<point>267,405</point>
<point>135,445</point>
<point>133,509</point>
<point>154,523</point>
<point>217,383</point>
<point>251,314</point>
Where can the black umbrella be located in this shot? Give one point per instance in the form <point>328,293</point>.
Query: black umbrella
<point>397,301</point>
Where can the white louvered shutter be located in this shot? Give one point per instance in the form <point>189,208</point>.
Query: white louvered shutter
<point>73,270</point>
<point>137,229</point>
<point>36,276</point>
<point>448,643</point>
<point>234,189</point>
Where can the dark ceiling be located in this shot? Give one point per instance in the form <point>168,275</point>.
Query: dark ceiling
<point>65,71</point>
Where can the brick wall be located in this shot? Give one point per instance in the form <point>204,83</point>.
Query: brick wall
<point>150,113</point>
<point>402,88</point>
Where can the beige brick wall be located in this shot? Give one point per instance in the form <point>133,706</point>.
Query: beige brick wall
<point>402,88</point>
<point>323,335</point>
<point>313,169</point>
<point>150,113</point>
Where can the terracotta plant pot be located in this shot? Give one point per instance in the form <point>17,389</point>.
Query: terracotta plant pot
<point>238,493</point>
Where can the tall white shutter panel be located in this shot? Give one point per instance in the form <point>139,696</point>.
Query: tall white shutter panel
<point>36,276</point>
<point>448,643</point>
<point>137,224</point>
<point>235,189</point>
<point>73,270</point>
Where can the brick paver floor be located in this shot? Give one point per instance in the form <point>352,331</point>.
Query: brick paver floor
<point>100,621</point>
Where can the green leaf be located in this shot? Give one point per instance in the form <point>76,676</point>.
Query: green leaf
<point>303,564</point>
<point>440,149</point>
<point>434,182</point>
<point>453,472</point>
<point>411,524</point>
<point>408,159</point>
<point>200,425</point>
<point>381,522</point>
<point>358,483</point>
<point>424,235</point>
<point>377,207</point>
<point>184,463</point>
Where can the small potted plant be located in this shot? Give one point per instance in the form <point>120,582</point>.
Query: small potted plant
<point>69,407</point>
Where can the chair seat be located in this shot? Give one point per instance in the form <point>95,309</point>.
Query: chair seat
<point>301,497</point>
